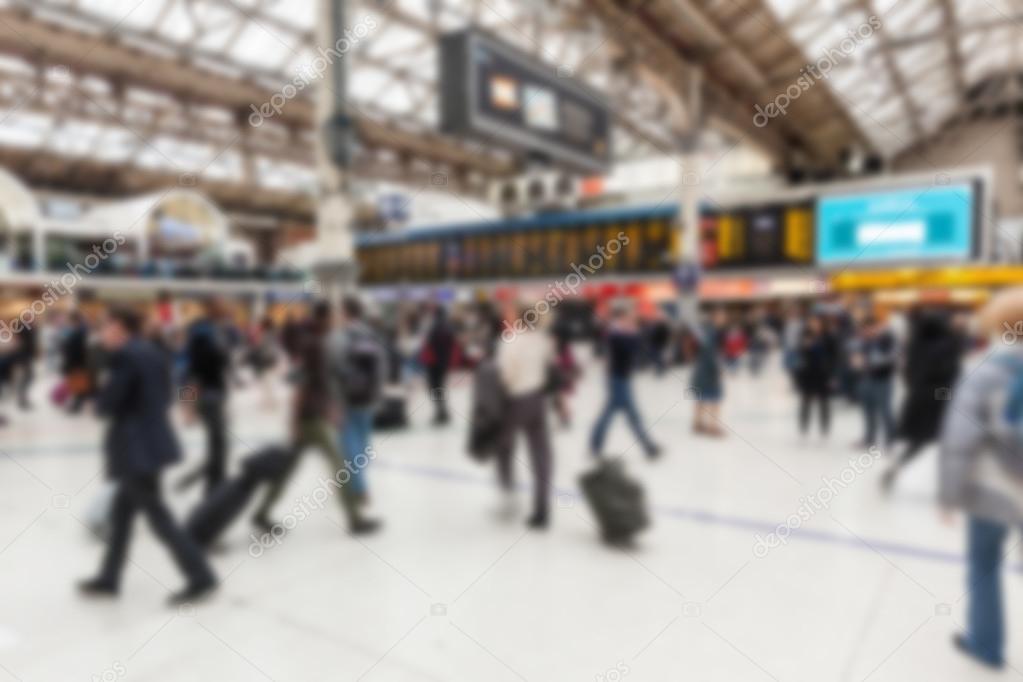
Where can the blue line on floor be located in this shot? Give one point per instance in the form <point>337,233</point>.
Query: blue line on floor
<point>676,512</point>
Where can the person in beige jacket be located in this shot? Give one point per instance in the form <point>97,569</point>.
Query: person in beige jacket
<point>523,361</point>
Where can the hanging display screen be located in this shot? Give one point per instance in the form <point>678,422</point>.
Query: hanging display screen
<point>920,224</point>
<point>493,91</point>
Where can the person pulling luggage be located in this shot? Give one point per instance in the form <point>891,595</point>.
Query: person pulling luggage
<point>314,410</point>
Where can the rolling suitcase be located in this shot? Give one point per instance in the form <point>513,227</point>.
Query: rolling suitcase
<point>617,501</point>
<point>222,506</point>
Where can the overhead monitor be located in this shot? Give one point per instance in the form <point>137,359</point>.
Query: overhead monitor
<point>493,91</point>
<point>927,223</point>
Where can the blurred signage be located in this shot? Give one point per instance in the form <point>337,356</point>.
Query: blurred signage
<point>394,208</point>
<point>177,234</point>
<point>758,236</point>
<point>494,91</point>
<point>926,223</point>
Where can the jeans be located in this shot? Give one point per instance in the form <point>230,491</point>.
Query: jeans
<point>619,398</point>
<point>985,632</point>
<point>354,438</point>
<point>876,395</point>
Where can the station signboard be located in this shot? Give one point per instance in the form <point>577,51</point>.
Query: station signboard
<point>493,91</point>
<point>930,223</point>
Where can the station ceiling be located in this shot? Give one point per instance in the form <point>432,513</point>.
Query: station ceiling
<point>123,95</point>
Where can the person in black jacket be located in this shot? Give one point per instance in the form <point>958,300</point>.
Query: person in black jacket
<point>623,349</point>
<point>74,353</point>
<point>933,361</point>
<point>207,376</point>
<point>139,443</point>
<point>440,342</point>
<point>814,369</point>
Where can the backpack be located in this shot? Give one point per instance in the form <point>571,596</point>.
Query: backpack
<point>361,370</point>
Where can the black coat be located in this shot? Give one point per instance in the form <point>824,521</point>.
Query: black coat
<point>136,399</point>
<point>933,361</point>
<point>816,362</point>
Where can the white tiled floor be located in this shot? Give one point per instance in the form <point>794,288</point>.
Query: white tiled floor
<point>870,588</point>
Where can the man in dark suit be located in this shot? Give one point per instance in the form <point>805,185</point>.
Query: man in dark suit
<point>139,443</point>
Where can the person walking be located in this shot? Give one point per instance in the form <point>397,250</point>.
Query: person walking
<point>624,347</point>
<point>9,350</point>
<point>24,364</point>
<point>981,475</point>
<point>436,356</point>
<point>75,366</point>
<point>933,361</point>
<point>876,359</point>
<point>359,368</point>
<point>138,445</point>
<point>523,364</point>
<point>814,366</point>
<point>207,375</point>
<point>314,410</point>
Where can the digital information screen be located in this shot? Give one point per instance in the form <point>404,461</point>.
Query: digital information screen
<point>760,236</point>
<point>927,223</point>
<point>493,91</point>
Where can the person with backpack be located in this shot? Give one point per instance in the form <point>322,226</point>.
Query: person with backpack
<point>314,410</point>
<point>981,473</point>
<point>358,368</point>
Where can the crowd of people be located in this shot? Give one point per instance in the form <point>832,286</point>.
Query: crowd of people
<point>350,372</point>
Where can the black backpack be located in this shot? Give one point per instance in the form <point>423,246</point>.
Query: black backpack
<point>361,370</point>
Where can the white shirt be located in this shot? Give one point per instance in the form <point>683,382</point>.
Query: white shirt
<point>522,362</point>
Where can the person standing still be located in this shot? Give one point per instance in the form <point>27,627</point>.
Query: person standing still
<point>523,363</point>
<point>437,350</point>
<point>877,359</point>
<point>138,445</point>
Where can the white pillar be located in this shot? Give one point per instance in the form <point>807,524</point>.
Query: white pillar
<point>334,270</point>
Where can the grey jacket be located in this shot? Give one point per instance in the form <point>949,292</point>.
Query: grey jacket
<point>981,465</point>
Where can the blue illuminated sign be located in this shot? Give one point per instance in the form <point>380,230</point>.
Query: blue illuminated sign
<point>928,223</point>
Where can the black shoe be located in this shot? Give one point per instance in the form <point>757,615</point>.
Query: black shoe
<point>97,587</point>
<point>538,522</point>
<point>196,592</point>
<point>960,643</point>
<point>366,526</point>
<point>262,523</point>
